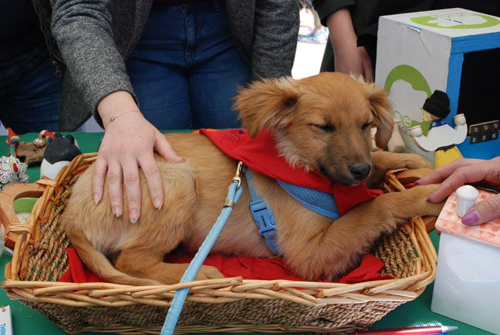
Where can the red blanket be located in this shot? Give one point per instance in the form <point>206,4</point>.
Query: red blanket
<point>234,266</point>
<point>260,155</point>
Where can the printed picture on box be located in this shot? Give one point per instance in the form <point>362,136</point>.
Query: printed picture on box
<point>408,87</point>
<point>457,21</point>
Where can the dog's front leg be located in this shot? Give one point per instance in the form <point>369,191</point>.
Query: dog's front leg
<point>334,249</point>
<point>384,161</point>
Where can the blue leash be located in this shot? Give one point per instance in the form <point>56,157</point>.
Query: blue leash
<point>233,195</point>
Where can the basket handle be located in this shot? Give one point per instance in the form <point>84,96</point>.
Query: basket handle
<point>8,216</point>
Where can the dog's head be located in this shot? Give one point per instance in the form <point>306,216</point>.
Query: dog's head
<point>321,122</point>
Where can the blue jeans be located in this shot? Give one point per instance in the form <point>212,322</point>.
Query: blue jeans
<point>185,69</point>
<point>30,93</point>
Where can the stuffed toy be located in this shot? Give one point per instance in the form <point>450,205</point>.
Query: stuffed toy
<point>59,153</point>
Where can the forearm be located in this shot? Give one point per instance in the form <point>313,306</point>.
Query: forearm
<point>276,26</point>
<point>341,31</point>
<point>115,104</point>
<point>325,8</point>
<point>83,33</point>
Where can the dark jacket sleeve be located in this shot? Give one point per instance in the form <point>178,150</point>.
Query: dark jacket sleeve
<point>276,27</point>
<point>82,29</point>
<point>327,7</point>
<point>368,36</point>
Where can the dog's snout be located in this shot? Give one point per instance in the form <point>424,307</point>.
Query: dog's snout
<point>360,171</point>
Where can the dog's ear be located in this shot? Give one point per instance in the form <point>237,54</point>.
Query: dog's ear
<point>269,103</point>
<point>381,109</point>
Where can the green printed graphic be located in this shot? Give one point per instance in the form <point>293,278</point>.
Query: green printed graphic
<point>425,21</point>
<point>418,82</point>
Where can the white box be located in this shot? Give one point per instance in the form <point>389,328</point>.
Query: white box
<point>418,53</point>
<point>467,286</point>
<point>5,321</point>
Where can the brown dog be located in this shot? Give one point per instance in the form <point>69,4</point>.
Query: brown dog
<point>322,123</point>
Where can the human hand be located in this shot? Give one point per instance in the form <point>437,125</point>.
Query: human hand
<point>355,61</point>
<point>128,143</point>
<point>468,171</point>
<point>349,58</point>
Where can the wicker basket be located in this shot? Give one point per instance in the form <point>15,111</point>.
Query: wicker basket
<point>221,305</point>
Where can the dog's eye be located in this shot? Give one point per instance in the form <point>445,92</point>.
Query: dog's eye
<point>367,125</point>
<point>324,127</point>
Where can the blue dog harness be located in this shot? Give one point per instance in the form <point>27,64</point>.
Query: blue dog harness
<point>317,201</point>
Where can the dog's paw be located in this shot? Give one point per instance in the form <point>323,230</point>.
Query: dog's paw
<point>418,195</point>
<point>208,272</point>
<point>422,192</point>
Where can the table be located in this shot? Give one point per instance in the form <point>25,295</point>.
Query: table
<point>27,321</point>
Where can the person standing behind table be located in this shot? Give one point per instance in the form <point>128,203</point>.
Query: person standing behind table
<point>353,26</point>
<point>187,53</point>
<point>30,76</point>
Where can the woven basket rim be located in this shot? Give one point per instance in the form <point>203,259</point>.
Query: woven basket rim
<point>214,291</point>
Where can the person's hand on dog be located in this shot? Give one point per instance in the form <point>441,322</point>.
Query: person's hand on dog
<point>129,143</point>
<point>349,58</point>
<point>468,171</point>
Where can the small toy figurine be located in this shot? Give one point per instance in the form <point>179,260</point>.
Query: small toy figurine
<point>12,141</point>
<point>31,153</point>
<point>44,138</point>
<point>441,138</point>
<point>58,154</point>
<point>11,169</point>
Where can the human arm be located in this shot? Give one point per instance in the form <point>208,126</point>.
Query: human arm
<point>128,143</point>
<point>83,31</point>
<point>468,171</point>
<point>276,26</point>
<point>349,58</point>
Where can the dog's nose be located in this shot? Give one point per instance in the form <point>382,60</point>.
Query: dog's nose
<point>360,171</point>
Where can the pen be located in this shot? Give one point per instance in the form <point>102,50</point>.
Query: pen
<point>408,331</point>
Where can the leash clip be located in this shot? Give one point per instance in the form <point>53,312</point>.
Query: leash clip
<point>237,176</point>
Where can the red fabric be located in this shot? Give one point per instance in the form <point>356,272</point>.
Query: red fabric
<point>77,272</point>
<point>260,155</point>
<point>234,266</point>
<point>275,268</point>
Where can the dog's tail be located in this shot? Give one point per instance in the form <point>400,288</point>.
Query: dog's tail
<point>99,264</point>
